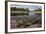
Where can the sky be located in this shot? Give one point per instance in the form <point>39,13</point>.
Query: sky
<point>30,7</point>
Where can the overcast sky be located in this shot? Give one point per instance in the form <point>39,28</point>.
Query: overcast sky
<point>30,7</point>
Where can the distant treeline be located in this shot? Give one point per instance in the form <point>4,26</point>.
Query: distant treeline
<point>18,9</point>
<point>38,9</point>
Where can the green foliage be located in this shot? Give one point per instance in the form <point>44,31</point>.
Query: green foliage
<point>18,9</point>
<point>38,9</point>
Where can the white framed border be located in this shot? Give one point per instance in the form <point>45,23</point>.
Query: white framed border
<point>25,29</point>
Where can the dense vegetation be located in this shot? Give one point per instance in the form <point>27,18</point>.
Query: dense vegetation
<point>38,9</point>
<point>18,9</point>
